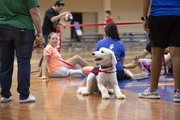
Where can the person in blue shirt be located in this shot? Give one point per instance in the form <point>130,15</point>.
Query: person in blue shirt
<point>113,42</point>
<point>164,26</point>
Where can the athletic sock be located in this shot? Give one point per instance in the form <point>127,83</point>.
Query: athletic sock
<point>72,72</point>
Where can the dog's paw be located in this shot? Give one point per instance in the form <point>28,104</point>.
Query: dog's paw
<point>85,93</point>
<point>121,96</point>
<point>81,89</point>
<point>106,96</point>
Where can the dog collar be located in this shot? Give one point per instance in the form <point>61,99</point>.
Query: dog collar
<point>105,67</point>
<point>107,70</point>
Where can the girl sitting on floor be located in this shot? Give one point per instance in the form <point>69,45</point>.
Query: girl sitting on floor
<point>56,66</point>
<point>113,42</point>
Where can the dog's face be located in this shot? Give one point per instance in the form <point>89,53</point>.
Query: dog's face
<point>105,57</point>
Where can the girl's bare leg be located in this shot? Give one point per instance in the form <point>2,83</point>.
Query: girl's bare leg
<point>128,73</point>
<point>86,70</point>
<point>77,60</point>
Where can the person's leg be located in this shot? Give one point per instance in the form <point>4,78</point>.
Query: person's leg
<point>128,73</point>
<point>77,60</point>
<point>174,44</point>
<point>151,92</point>
<point>159,33</point>
<point>175,56</point>
<point>23,45</point>
<point>0,80</point>
<point>156,65</point>
<point>86,70</point>
<point>75,71</point>
<point>0,88</point>
<point>7,60</point>
<point>6,69</point>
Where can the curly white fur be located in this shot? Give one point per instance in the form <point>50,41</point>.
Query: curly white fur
<point>106,58</point>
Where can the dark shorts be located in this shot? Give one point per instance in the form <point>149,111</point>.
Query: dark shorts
<point>120,74</point>
<point>165,31</point>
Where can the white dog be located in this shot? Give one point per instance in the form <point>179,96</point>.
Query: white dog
<point>102,77</point>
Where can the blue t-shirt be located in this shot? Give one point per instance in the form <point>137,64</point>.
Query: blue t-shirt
<point>116,46</point>
<point>165,8</point>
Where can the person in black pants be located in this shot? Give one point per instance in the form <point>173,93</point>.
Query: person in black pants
<point>164,26</point>
<point>17,33</point>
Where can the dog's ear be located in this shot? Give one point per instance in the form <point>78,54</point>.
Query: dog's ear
<point>114,62</point>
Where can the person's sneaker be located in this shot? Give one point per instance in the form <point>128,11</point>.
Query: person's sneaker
<point>177,96</point>
<point>5,100</point>
<point>31,98</point>
<point>148,94</point>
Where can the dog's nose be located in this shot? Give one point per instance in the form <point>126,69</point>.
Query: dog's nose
<point>93,54</point>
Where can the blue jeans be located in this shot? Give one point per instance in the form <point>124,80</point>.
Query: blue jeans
<point>19,42</point>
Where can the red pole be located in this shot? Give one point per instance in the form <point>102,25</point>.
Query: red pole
<point>58,31</point>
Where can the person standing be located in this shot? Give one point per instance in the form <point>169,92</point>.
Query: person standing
<point>17,35</point>
<point>108,17</point>
<point>52,19</point>
<point>164,26</point>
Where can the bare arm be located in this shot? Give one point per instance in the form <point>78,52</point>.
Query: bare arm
<point>146,4</point>
<point>36,18</point>
<point>143,54</point>
<point>56,18</point>
<point>44,67</point>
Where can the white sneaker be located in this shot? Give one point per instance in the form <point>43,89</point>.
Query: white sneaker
<point>140,76</point>
<point>177,96</point>
<point>148,94</point>
<point>31,98</point>
<point>5,100</point>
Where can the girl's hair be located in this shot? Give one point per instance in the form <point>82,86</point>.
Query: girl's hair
<point>112,31</point>
<point>50,34</point>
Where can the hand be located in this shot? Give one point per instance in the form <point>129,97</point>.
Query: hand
<point>39,37</point>
<point>62,14</point>
<point>64,25</point>
<point>146,25</point>
<point>44,77</point>
<point>136,58</point>
<point>39,40</point>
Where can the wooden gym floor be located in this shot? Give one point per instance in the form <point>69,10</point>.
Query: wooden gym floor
<point>57,99</point>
